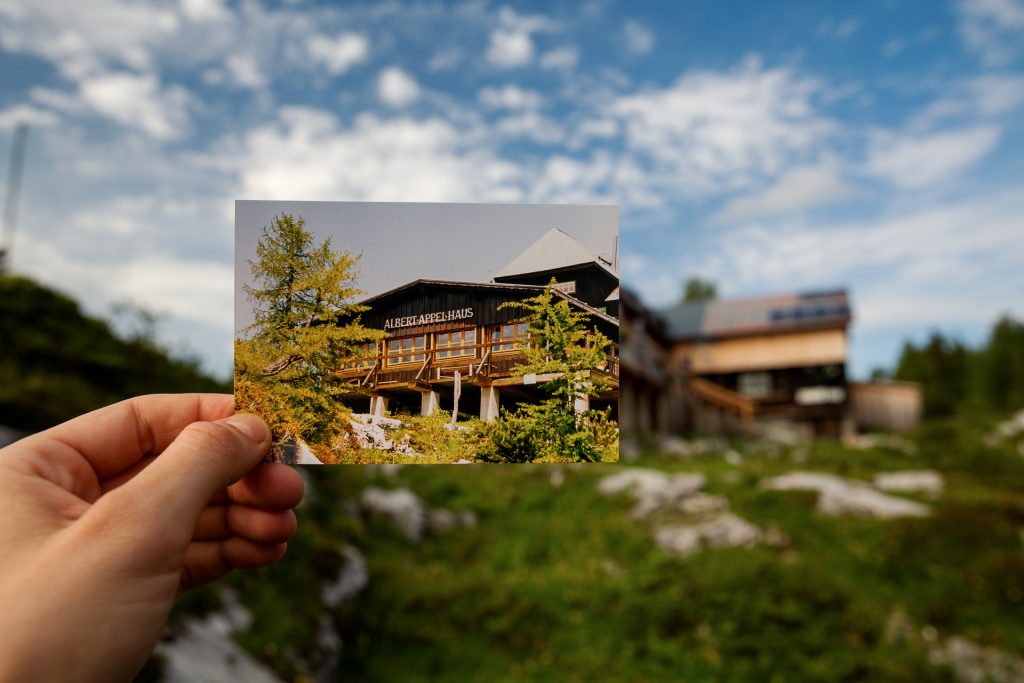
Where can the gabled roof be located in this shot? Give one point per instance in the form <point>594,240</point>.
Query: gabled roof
<point>494,285</point>
<point>555,249</point>
<point>762,315</point>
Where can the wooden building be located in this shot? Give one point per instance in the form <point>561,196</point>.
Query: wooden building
<point>743,363</point>
<point>449,339</point>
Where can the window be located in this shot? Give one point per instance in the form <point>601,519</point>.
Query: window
<point>755,384</point>
<point>566,287</point>
<point>365,355</point>
<point>406,350</point>
<point>510,336</point>
<point>452,344</point>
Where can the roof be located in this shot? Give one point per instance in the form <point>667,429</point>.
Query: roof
<point>754,316</point>
<point>556,249</point>
<point>494,285</point>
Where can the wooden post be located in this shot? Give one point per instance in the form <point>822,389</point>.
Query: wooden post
<point>458,392</point>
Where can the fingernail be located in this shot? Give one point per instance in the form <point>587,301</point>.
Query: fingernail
<point>250,425</point>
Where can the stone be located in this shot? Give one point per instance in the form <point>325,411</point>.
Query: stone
<point>403,507</point>
<point>723,531</point>
<point>703,503</point>
<point>928,482</point>
<point>1009,428</point>
<point>557,476</point>
<point>651,489</point>
<point>352,578</point>
<point>838,496</point>
<point>863,442</point>
<point>200,651</point>
<point>972,663</point>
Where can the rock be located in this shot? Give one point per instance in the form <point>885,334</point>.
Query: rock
<point>784,433</point>
<point>411,515</point>
<point>441,519</point>
<point>401,506</point>
<point>838,496</point>
<point>733,457</point>
<point>387,470</point>
<point>305,455</point>
<point>557,476</point>
<point>928,482</point>
<point>201,653</point>
<point>463,461</point>
<point>1009,428</point>
<point>651,489</point>
<point>862,442</point>
<point>726,530</point>
<point>678,447</point>
<point>351,579</point>
<point>972,663</point>
<point>703,503</point>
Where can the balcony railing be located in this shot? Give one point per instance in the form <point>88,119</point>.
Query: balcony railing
<point>486,361</point>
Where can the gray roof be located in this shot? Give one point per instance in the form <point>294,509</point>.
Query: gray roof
<point>556,249</point>
<point>762,315</point>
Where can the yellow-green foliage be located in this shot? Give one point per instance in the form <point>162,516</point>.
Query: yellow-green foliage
<point>306,327</point>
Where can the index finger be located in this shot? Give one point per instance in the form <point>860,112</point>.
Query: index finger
<point>114,438</point>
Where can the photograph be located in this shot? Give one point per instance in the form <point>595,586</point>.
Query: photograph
<point>429,333</point>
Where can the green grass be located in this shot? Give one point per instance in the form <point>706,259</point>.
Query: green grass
<point>559,584</point>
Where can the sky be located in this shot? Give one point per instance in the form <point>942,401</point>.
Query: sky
<point>398,242</point>
<point>767,146</point>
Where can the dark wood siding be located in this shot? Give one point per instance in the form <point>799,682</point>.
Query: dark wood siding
<point>593,283</point>
<point>428,299</point>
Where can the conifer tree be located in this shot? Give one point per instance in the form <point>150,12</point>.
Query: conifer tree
<point>561,346</point>
<point>306,326</point>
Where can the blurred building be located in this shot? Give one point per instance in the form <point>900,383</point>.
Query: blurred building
<point>738,365</point>
<point>449,339</point>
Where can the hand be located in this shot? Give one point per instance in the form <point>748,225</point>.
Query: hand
<point>105,519</point>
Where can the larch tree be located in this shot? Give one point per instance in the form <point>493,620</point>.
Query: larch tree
<point>307,325</point>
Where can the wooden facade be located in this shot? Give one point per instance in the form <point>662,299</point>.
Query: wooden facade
<point>437,330</point>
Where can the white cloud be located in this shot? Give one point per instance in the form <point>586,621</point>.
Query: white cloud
<point>18,114</point>
<point>510,48</point>
<point>917,161</point>
<point>950,263</point>
<point>245,71</point>
<point>396,88</point>
<point>531,126</point>
<point>445,59</point>
<point>713,131</point>
<point>829,27</point>
<point>797,189</point>
<point>509,97</point>
<point>308,155</point>
<point>639,38</point>
<point>341,53</point>
<point>203,11</point>
<point>511,44</point>
<point>562,58</point>
<point>138,101</point>
<point>992,28</point>
<point>84,38</point>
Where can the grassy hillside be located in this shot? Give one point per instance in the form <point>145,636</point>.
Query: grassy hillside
<point>57,362</point>
<point>557,582</point>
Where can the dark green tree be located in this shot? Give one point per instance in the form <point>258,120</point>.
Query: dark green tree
<point>943,368</point>
<point>1001,365</point>
<point>306,326</point>
<point>697,289</point>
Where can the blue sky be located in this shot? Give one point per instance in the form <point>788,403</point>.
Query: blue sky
<point>766,146</point>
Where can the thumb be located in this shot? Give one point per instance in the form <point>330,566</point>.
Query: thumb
<point>204,458</point>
